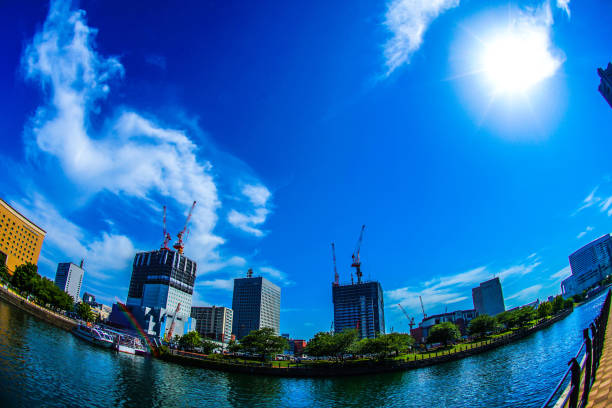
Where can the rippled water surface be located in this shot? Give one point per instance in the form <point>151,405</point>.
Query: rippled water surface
<point>43,365</point>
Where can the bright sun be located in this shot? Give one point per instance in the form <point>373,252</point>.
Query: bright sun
<point>517,59</point>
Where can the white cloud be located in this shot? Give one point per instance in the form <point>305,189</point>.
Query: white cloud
<point>223,284</point>
<point>583,233</point>
<point>564,5</point>
<point>258,195</point>
<point>455,288</point>
<point>104,256</point>
<point>562,274</point>
<point>590,200</point>
<point>408,21</point>
<point>130,155</point>
<point>527,293</point>
<point>276,275</point>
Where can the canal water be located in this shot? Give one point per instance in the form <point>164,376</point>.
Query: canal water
<point>41,365</point>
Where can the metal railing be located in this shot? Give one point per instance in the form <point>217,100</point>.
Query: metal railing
<point>573,389</point>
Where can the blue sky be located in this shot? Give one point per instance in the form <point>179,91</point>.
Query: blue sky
<point>294,124</point>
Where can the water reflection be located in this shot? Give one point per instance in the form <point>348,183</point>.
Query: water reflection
<point>42,365</point>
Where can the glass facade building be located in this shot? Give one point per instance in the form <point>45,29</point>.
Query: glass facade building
<point>69,278</point>
<point>590,264</point>
<point>256,304</point>
<point>359,306</point>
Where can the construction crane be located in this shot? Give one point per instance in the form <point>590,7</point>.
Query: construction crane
<point>356,260</point>
<point>171,329</point>
<point>167,237</point>
<point>411,322</point>
<point>422,308</point>
<point>180,245</point>
<point>336,276</point>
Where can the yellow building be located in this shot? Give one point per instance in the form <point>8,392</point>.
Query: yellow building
<point>20,239</point>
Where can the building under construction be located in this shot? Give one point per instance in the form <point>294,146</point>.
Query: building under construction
<point>161,289</point>
<point>358,305</point>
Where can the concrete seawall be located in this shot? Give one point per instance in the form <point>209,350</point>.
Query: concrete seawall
<point>37,311</point>
<point>349,369</point>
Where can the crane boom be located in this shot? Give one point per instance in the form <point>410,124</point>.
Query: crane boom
<point>422,308</point>
<point>411,322</point>
<point>171,329</point>
<point>167,237</point>
<point>180,245</point>
<point>356,259</point>
<point>336,276</point>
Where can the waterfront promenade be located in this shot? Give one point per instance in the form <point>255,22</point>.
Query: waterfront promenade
<point>600,395</point>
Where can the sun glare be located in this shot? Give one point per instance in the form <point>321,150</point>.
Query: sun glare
<point>516,60</point>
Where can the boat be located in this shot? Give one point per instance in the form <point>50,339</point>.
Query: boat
<point>93,335</point>
<point>129,344</point>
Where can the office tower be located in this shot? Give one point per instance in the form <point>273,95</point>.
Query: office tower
<point>590,264</point>
<point>359,306</point>
<point>488,298</point>
<point>20,239</point>
<point>69,278</point>
<point>256,304</point>
<point>213,322</point>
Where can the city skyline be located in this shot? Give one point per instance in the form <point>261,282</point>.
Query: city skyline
<point>294,136</point>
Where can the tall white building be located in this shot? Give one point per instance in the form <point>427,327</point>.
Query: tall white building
<point>69,278</point>
<point>213,322</point>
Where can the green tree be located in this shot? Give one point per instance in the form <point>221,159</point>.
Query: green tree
<point>568,304</point>
<point>545,309</point>
<point>397,342</point>
<point>190,340</point>
<point>558,304</point>
<point>208,347</point>
<point>24,278</point>
<point>233,346</point>
<point>443,333</point>
<point>84,312</point>
<point>264,342</point>
<point>525,315</point>
<point>320,345</point>
<point>5,276</point>
<point>480,325</point>
<point>342,342</point>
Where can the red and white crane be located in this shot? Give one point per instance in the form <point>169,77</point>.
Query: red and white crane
<point>356,260</point>
<point>167,237</point>
<point>180,244</point>
<point>171,329</point>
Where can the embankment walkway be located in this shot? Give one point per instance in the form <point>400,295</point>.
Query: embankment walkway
<point>601,392</point>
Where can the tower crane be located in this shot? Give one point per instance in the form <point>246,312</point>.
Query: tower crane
<point>336,276</point>
<point>422,308</point>
<point>167,237</point>
<point>180,245</point>
<point>356,260</point>
<point>411,322</point>
<point>171,329</point>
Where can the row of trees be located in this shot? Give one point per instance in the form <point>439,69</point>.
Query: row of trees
<point>28,282</point>
<point>517,318</point>
<point>193,341</point>
<point>337,345</point>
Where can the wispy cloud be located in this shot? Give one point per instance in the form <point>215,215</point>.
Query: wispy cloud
<point>526,294</point>
<point>408,20</point>
<point>223,284</point>
<point>564,5</point>
<point>583,233</point>
<point>276,275</point>
<point>258,196</point>
<point>132,155</point>
<point>105,255</point>
<point>562,274</point>
<point>589,201</point>
<point>449,289</point>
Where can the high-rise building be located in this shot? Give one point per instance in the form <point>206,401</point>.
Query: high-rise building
<point>605,85</point>
<point>69,278</point>
<point>161,280</point>
<point>488,298</point>
<point>256,304</point>
<point>359,306</point>
<point>20,239</point>
<point>213,322</point>
<point>590,264</point>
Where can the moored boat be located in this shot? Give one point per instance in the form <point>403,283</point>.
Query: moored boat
<point>93,335</point>
<point>129,344</point>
